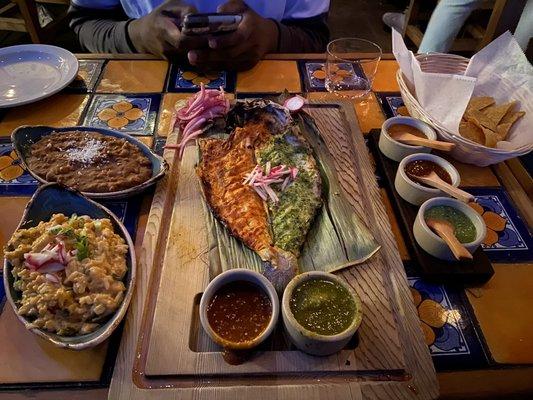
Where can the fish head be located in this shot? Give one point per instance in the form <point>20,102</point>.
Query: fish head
<point>275,116</point>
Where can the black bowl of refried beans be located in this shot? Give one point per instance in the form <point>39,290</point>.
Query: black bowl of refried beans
<point>100,163</point>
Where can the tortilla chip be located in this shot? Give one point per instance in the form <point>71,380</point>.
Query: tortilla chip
<point>494,114</point>
<point>491,137</point>
<point>471,131</point>
<point>478,118</point>
<point>512,116</point>
<point>479,103</point>
<point>502,130</point>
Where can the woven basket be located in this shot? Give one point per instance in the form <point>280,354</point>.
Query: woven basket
<point>466,150</point>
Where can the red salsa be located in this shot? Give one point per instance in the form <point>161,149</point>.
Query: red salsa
<point>239,311</point>
<point>424,167</point>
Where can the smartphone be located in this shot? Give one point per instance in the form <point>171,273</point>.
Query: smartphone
<point>210,24</point>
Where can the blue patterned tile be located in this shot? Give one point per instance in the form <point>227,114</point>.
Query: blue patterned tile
<point>14,179</point>
<point>88,75</point>
<point>390,102</point>
<point>313,84</point>
<point>133,114</point>
<point>127,211</point>
<point>188,80</point>
<point>2,296</point>
<point>449,327</point>
<point>508,239</point>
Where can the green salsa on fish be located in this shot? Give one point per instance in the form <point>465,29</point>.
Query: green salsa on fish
<point>323,306</point>
<point>465,231</point>
<point>293,214</point>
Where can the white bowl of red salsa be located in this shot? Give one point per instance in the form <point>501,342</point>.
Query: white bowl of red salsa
<point>239,309</point>
<point>320,312</point>
<point>421,164</point>
<point>469,226</point>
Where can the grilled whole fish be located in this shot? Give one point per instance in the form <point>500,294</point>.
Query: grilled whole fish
<point>274,230</point>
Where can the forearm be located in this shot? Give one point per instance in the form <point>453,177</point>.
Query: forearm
<point>310,35</point>
<point>101,31</point>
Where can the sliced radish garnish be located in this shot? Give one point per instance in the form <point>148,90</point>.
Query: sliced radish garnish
<point>294,103</point>
<point>51,266</point>
<point>35,260</point>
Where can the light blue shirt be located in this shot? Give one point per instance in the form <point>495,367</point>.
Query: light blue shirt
<point>276,9</point>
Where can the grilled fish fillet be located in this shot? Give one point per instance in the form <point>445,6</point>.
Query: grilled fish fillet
<point>275,231</point>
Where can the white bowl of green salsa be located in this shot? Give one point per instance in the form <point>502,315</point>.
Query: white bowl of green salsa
<point>470,229</point>
<point>320,312</point>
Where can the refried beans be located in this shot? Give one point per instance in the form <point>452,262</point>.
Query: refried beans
<point>89,161</point>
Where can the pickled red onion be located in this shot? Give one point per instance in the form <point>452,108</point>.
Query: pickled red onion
<point>204,106</point>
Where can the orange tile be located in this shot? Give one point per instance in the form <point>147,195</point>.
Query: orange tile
<point>472,175</point>
<point>270,76</point>
<point>404,254</point>
<point>369,113</point>
<point>147,140</point>
<point>367,109</point>
<point>322,96</point>
<point>503,309</point>
<point>167,108</point>
<point>133,76</point>
<point>33,359</point>
<point>59,110</point>
<point>385,78</point>
<point>11,209</point>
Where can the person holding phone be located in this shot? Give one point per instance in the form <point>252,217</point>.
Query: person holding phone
<point>154,26</point>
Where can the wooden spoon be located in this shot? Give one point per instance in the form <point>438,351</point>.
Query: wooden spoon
<point>433,180</point>
<point>446,231</point>
<point>411,139</point>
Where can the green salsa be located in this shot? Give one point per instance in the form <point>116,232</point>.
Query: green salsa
<point>322,306</point>
<point>465,231</point>
<point>294,213</point>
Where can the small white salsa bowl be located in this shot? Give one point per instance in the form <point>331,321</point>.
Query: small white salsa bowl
<point>233,275</point>
<point>397,151</point>
<point>306,340</point>
<point>432,243</point>
<point>413,192</point>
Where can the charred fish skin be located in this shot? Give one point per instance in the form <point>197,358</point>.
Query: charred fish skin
<point>292,216</point>
<point>237,206</point>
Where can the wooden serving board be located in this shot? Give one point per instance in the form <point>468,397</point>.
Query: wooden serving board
<point>175,359</point>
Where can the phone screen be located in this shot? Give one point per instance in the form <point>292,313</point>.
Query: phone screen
<point>210,24</point>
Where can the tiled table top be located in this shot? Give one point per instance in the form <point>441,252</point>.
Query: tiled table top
<point>478,328</point>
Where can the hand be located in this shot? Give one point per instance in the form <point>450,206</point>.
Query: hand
<point>158,32</point>
<point>242,49</point>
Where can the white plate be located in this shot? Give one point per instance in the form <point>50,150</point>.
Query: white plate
<point>31,72</point>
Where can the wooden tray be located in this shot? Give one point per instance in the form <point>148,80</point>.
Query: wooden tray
<point>476,271</point>
<point>387,358</point>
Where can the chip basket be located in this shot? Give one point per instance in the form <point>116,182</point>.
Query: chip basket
<point>465,150</point>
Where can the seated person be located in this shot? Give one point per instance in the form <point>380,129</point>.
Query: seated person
<point>152,26</point>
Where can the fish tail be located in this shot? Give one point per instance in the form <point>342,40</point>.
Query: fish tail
<point>279,267</point>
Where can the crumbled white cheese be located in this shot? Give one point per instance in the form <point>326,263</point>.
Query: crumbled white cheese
<point>86,154</point>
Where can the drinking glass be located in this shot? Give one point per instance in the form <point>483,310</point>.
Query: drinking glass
<point>351,65</point>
